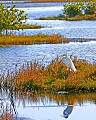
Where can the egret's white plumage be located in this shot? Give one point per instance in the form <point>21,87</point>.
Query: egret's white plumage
<point>70,65</point>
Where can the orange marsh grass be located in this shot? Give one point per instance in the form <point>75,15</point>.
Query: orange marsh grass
<point>28,40</point>
<point>56,77</point>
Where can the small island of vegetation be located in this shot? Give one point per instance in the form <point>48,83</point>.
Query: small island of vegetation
<point>76,11</point>
<point>34,77</point>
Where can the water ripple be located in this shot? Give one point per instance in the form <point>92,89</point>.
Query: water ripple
<point>10,56</point>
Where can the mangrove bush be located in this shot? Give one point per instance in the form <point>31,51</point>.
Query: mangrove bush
<point>11,18</point>
<point>73,9</point>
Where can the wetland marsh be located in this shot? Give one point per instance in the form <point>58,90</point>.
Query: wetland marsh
<point>59,105</point>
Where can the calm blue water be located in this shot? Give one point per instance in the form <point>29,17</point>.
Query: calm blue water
<point>37,10</point>
<point>10,56</point>
<point>69,29</point>
<point>33,4</point>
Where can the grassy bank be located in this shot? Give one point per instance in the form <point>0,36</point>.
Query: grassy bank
<point>76,18</point>
<point>56,77</point>
<point>28,40</point>
<point>25,26</point>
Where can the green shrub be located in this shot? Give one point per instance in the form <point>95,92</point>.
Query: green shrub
<point>10,17</point>
<point>90,8</point>
<point>72,9</point>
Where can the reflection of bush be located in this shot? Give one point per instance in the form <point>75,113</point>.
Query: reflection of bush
<point>58,98</point>
<point>6,116</point>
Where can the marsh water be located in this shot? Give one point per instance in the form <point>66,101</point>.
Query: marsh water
<point>60,105</point>
<point>68,29</point>
<point>12,56</point>
<point>28,106</point>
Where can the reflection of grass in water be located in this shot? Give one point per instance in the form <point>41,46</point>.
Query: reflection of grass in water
<point>60,99</point>
<point>35,39</point>
<point>56,77</point>
<point>6,116</point>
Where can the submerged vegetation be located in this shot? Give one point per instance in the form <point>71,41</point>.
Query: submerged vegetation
<point>77,11</point>
<point>55,77</point>
<point>29,40</point>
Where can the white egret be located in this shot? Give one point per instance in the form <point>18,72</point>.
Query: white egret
<point>68,62</point>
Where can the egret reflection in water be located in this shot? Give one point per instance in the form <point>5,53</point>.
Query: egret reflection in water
<point>69,108</point>
<point>68,111</point>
